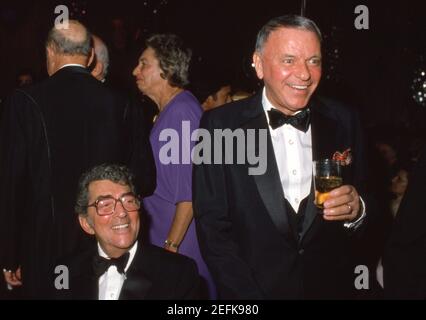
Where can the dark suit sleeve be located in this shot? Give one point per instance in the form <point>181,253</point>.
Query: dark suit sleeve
<point>13,151</point>
<point>232,276</point>
<point>105,137</point>
<point>360,161</point>
<point>359,178</point>
<point>189,282</point>
<point>140,160</point>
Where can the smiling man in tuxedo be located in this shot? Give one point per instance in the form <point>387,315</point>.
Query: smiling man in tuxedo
<point>261,235</point>
<point>121,267</point>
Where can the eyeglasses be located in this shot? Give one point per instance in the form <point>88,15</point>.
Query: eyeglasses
<point>106,205</point>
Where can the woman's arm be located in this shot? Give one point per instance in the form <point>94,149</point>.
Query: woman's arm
<point>181,221</point>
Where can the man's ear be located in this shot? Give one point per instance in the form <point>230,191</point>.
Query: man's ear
<point>50,52</point>
<point>97,70</point>
<point>207,104</point>
<point>257,63</point>
<point>86,224</point>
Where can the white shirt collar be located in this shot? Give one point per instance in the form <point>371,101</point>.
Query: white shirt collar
<point>72,65</point>
<point>267,105</point>
<point>132,252</point>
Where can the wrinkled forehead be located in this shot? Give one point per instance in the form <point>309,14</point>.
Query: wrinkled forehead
<point>100,188</point>
<point>291,42</point>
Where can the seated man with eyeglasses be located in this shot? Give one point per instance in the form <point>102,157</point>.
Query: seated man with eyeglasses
<point>121,267</point>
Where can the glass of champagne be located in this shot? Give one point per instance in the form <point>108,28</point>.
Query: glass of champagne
<point>327,176</point>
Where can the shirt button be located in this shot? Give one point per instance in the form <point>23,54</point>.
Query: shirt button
<point>291,142</point>
<point>294,172</point>
<point>301,251</point>
<point>296,199</point>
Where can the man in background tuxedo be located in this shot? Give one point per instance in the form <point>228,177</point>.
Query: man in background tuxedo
<point>261,235</point>
<point>121,267</point>
<point>138,123</point>
<point>404,261</point>
<point>50,133</point>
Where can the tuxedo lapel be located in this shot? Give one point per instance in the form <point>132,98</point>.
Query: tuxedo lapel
<point>324,144</point>
<point>137,285</point>
<point>311,213</point>
<point>324,133</point>
<point>268,184</point>
<point>83,282</point>
<point>85,287</point>
<point>93,282</point>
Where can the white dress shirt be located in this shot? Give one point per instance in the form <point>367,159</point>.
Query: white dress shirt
<point>293,154</point>
<point>111,282</point>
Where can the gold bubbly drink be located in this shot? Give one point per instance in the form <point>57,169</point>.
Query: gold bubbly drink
<point>323,186</point>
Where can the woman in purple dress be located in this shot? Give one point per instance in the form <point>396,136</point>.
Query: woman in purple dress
<point>161,74</point>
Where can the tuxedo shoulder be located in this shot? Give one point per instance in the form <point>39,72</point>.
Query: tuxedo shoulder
<point>230,114</point>
<point>78,263</point>
<point>33,90</point>
<point>168,261</point>
<point>336,107</point>
<point>22,100</point>
<point>227,109</point>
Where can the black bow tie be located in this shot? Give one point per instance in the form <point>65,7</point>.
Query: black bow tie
<point>101,265</point>
<point>300,120</point>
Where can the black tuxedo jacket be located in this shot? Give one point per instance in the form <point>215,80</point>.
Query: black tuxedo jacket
<point>245,232</point>
<point>154,274</point>
<point>404,261</point>
<point>50,134</point>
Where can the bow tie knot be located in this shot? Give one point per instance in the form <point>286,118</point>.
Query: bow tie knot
<point>101,264</point>
<point>299,121</point>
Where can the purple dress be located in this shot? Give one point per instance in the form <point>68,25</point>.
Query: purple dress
<point>180,117</point>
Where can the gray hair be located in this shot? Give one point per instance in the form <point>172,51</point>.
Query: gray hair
<point>113,172</point>
<point>173,57</point>
<point>62,43</point>
<point>102,55</point>
<point>286,21</point>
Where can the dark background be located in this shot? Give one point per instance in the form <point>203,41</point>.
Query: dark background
<point>373,70</point>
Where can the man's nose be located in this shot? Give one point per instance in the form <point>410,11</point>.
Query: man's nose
<point>302,71</point>
<point>120,210</point>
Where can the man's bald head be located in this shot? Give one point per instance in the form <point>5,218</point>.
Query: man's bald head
<point>100,69</point>
<point>72,45</point>
<point>74,40</point>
